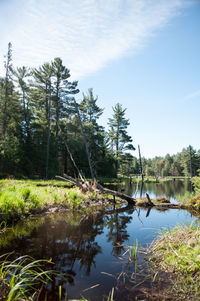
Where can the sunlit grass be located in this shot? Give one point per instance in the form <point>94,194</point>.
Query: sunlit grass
<point>178,251</point>
<point>19,198</point>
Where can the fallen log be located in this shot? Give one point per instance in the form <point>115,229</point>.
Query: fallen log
<point>169,206</point>
<point>96,187</point>
<point>130,200</point>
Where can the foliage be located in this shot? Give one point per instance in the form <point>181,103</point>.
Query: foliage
<point>196,183</point>
<point>185,163</point>
<point>38,117</point>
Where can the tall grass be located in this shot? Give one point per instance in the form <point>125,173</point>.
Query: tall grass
<point>178,251</point>
<point>22,277</point>
<point>19,198</point>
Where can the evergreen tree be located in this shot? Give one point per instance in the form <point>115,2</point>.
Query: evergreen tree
<point>62,88</point>
<point>120,141</point>
<point>8,89</point>
<point>90,113</point>
<point>10,121</point>
<point>41,92</point>
<point>22,74</point>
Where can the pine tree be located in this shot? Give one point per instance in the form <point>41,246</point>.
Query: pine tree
<point>90,113</point>
<point>62,88</point>
<point>119,138</point>
<point>8,88</point>
<point>42,95</point>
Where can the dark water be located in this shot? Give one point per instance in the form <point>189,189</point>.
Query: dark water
<point>91,251</point>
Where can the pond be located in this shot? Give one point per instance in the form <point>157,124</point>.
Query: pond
<point>93,251</point>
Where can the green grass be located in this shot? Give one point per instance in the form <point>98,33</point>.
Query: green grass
<point>177,251</point>
<point>22,278</point>
<point>20,197</point>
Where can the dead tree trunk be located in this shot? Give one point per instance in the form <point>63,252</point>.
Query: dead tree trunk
<point>71,157</point>
<point>86,144</point>
<point>130,200</point>
<point>141,168</point>
<point>86,186</point>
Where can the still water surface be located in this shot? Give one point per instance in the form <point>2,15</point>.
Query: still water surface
<point>91,251</point>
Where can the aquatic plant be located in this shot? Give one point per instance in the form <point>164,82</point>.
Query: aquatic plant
<point>22,277</point>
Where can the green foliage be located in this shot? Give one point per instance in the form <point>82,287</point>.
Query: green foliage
<point>75,198</point>
<point>38,117</point>
<point>19,198</point>
<point>15,202</point>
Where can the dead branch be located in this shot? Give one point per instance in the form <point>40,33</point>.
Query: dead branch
<point>86,186</point>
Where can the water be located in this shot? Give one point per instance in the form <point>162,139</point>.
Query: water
<point>90,250</point>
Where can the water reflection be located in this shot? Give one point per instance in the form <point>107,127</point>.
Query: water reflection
<point>172,189</point>
<point>117,233</point>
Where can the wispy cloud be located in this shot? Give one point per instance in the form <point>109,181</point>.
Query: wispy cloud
<point>86,34</point>
<point>192,95</point>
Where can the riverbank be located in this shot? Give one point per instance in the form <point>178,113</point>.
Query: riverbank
<point>192,199</point>
<point>21,198</point>
<point>177,252</point>
<point>150,179</point>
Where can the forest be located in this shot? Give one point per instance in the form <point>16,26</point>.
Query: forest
<point>39,123</point>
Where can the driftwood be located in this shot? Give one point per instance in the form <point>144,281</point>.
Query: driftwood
<point>70,179</point>
<point>130,200</point>
<point>149,200</point>
<point>150,204</point>
<point>96,187</point>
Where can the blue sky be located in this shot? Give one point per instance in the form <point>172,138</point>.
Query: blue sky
<point>144,54</point>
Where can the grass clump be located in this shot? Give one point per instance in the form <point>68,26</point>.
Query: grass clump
<point>75,198</point>
<point>177,251</point>
<point>22,278</point>
<point>15,202</point>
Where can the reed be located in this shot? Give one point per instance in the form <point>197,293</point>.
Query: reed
<point>22,277</point>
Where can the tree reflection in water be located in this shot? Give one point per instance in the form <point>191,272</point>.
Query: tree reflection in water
<point>117,225</point>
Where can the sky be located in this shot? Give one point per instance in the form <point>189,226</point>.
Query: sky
<point>143,54</point>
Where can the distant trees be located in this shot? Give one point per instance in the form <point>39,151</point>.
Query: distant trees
<point>184,163</point>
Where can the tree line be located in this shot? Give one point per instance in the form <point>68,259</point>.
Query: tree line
<point>39,118</point>
<point>185,163</point>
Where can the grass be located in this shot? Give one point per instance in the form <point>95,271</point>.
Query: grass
<point>22,278</point>
<point>177,251</point>
<point>19,198</point>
